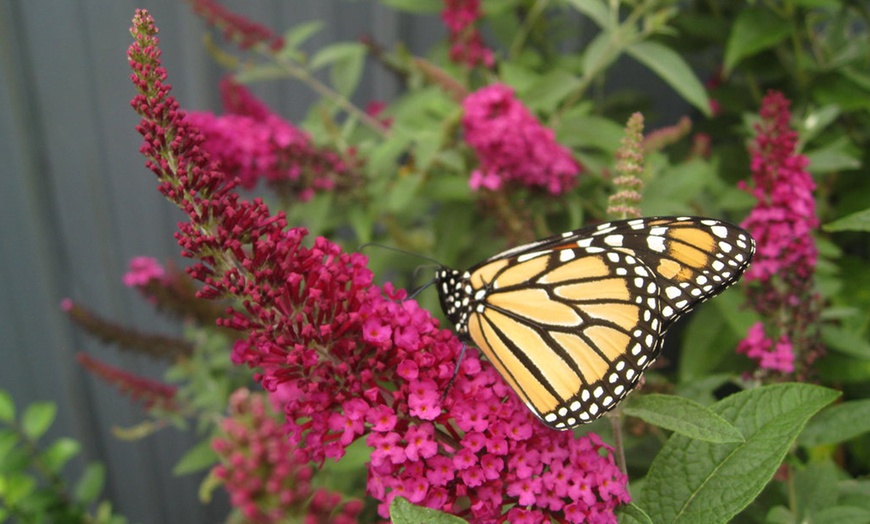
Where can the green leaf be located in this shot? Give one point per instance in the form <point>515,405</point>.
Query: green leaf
<point>13,455</point>
<point>210,483</point>
<point>817,120</point>
<point>670,67</point>
<point>854,492</point>
<point>297,35</point>
<point>755,30</point>
<point>59,453</point>
<point>815,488</point>
<point>427,144</point>
<point>827,4</point>
<point>631,513</point>
<point>595,9</point>
<point>837,424</point>
<point>8,440</point>
<point>589,131</point>
<point>833,158</point>
<point>404,191</point>
<point>779,515</point>
<point>841,90</point>
<point>415,6</point>
<point>859,221</point>
<point>91,483</point>
<point>703,390</point>
<point>449,189</point>
<point>18,487</point>
<point>37,419</point>
<point>691,481</point>
<point>707,341</point>
<point>347,60</point>
<point>674,189</point>
<point>841,515</point>
<point>403,512</point>
<point>846,342</point>
<point>319,212</point>
<point>682,416</point>
<point>197,458</point>
<point>384,159</point>
<point>361,221</point>
<point>599,54</point>
<point>548,92</point>
<point>518,76</point>
<point>835,368</point>
<point>7,407</point>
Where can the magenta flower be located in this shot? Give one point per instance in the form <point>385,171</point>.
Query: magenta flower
<point>782,223</point>
<point>512,146</point>
<point>254,144</point>
<point>262,473</point>
<point>466,44</point>
<point>759,347</point>
<point>142,271</point>
<point>347,359</point>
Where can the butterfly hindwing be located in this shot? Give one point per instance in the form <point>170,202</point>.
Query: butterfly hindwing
<point>573,339</point>
<point>571,321</point>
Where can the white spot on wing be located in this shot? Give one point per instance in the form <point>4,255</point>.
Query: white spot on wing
<point>613,240</point>
<point>656,243</point>
<point>529,256</point>
<point>720,231</point>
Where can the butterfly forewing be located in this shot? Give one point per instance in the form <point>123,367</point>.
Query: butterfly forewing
<point>572,320</point>
<point>693,258</point>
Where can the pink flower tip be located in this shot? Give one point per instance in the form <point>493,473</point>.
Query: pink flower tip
<point>142,271</point>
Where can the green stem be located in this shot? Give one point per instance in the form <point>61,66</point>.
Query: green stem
<point>531,17</point>
<point>618,447</point>
<point>303,75</point>
<point>621,37</point>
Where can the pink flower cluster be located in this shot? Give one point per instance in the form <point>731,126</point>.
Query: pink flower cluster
<point>512,146</point>
<point>466,44</point>
<point>486,448</point>
<point>347,361</point>
<point>142,271</point>
<point>775,357</point>
<point>260,470</point>
<point>782,223</point>
<point>254,144</point>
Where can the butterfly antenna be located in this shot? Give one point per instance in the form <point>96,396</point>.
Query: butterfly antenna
<point>399,250</point>
<point>419,290</point>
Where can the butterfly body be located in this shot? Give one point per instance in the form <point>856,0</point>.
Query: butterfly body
<point>572,321</point>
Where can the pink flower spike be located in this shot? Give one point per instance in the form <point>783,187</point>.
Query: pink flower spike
<point>329,345</point>
<point>460,17</point>
<point>782,223</point>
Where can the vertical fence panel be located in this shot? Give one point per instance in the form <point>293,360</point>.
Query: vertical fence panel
<point>76,204</point>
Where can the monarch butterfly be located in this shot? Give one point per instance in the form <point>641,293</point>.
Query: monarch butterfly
<point>571,321</point>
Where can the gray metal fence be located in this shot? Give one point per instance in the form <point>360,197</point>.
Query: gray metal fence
<point>76,203</point>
